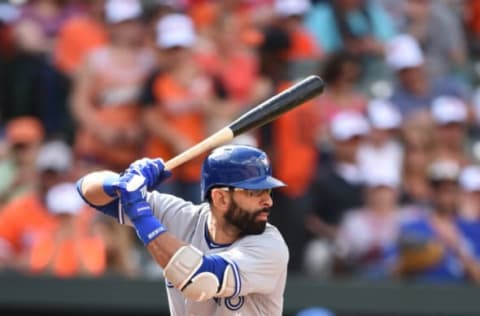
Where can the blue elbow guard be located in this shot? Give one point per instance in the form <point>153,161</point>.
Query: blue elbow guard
<point>214,264</point>
<point>201,277</point>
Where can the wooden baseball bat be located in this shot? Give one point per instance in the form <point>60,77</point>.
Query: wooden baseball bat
<point>263,113</point>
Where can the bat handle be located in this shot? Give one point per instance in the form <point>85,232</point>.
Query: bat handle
<point>221,137</point>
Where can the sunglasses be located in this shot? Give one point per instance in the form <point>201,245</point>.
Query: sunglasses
<point>249,192</point>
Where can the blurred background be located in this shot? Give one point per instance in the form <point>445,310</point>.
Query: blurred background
<point>382,209</point>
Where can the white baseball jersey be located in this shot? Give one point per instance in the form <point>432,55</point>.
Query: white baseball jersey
<point>259,261</point>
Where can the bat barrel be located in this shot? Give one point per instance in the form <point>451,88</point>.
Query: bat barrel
<point>279,104</point>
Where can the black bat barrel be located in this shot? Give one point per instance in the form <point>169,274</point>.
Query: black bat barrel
<point>278,104</point>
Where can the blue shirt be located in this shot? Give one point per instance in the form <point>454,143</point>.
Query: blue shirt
<point>408,103</point>
<point>449,268</point>
<point>322,24</point>
<point>471,231</point>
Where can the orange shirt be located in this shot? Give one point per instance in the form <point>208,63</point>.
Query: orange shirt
<point>21,220</point>
<point>294,150</point>
<point>303,46</point>
<point>80,253</point>
<point>238,73</point>
<point>205,13</point>
<point>77,37</point>
<point>117,88</point>
<point>177,105</point>
<point>472,16</point>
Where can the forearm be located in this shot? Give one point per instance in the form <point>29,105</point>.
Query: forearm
<point>164,247</point>
<point>92,187</point>
<point>472,267</point>
<point>161,128</point>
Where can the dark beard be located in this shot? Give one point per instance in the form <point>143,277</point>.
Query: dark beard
<point>244,220</point>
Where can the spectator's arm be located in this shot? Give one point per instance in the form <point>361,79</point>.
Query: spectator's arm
<point>83,109</point>
<point>472,266</point>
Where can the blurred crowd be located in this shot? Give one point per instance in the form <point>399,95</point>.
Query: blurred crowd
<point>383,169</point>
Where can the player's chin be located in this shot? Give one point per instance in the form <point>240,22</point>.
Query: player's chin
<point>255,228</point>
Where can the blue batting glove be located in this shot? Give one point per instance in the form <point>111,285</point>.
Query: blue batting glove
<point>152,169</point>
<point>133,190</point>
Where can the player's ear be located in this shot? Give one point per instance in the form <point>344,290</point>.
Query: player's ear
<point>220,198</point>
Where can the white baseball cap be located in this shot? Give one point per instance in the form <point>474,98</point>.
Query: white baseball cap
<point>448,109</point>
<point>470,178</point>
<point>382,175</point>
<point>348,124</point>
<point>403,51</point>
<point>383,114</point>
<point>56,156</point>
<point>444,170</point>
<point>175,30</point>
<point>63,198</point>
<point>291,7</point>
<point>117,11</point>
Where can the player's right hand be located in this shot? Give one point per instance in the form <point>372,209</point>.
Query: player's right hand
<point>153,170</point>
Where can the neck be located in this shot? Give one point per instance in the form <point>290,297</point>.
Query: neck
<point>220,231</point>
<point>382,209</point>
<point>340,89</point>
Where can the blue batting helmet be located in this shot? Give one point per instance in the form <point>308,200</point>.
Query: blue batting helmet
<point>237,166</point>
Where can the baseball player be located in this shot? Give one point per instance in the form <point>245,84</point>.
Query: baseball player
<point>221,257</point>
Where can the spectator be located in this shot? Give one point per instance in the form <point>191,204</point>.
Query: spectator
<point>433,248</point>
<point>469,211</point>
<point>382,148</point>
<point>450,116</point>
<point>289,16</point>
<point>439,32</point>
<point>232,64</point>
<point>48,16</point>
<point>23,217</point>
<point>367,236</point>
<point>341,73</point>
<point>414,92</point>
<point>339,185</point>
<point>471,16</point>
<point>107,89</point>
<point>359,27</point>
<point>24,136</point>
<point>356,26</point>
<point>24,72</point>
<point>122,257</point>
<point>418,154</point>
<point>8,14</point>
<point>78,36</point>
<point>69,248</point>
<point>289,138</point>
<point>178,103</point>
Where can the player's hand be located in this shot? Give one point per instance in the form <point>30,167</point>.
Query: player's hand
<point>132,190</point>
<point>153,170</point>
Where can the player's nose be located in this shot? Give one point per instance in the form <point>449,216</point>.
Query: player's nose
<point>267,200</point>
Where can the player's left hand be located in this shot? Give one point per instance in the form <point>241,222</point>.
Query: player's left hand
<point>132,190</point>
<point>153,170</point>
